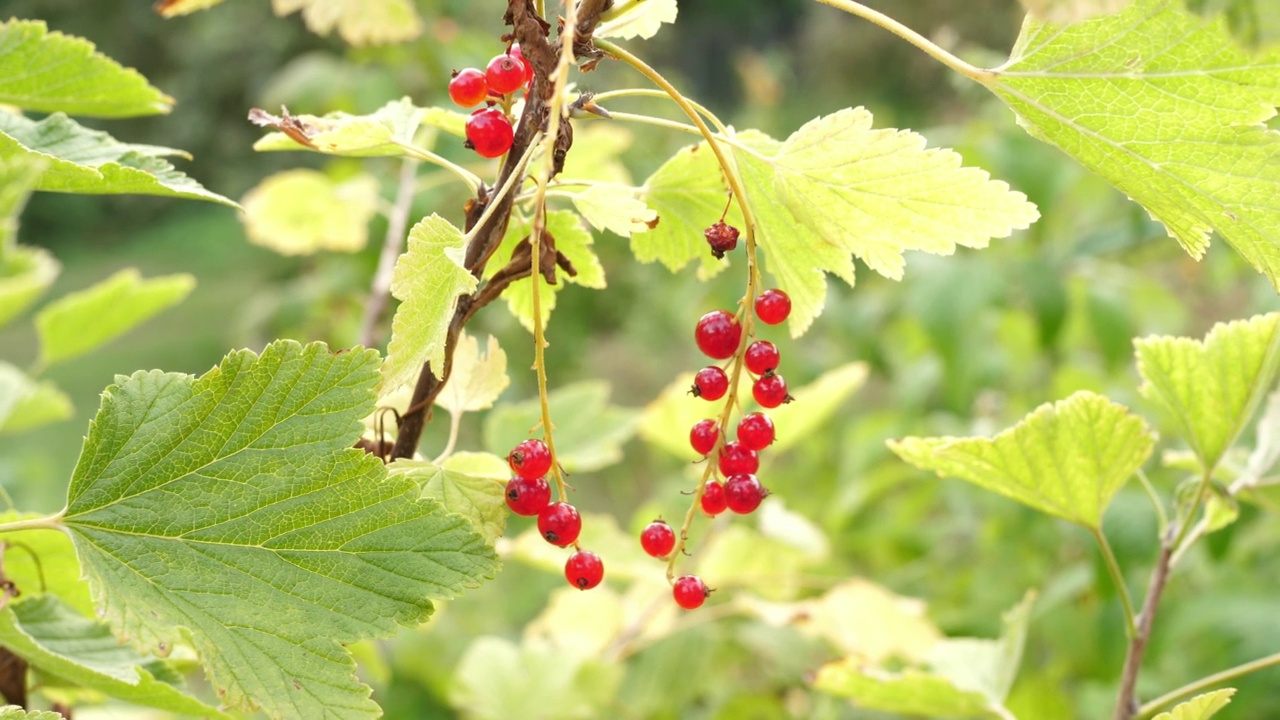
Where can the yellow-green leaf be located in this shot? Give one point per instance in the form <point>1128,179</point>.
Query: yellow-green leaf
<point>1201,707</point>
<point>572,240</point>
<point>471,485</point>
<point>26,404</point>
<point>54,569</point>
<point>25,273</point>
<point>381,134</point>
<point>636,18</point>
<point>911,692</point>
<point>359,22</point>
<point>615,208</point>
<point>18,178</point>
<point>688,193</point>
<point>1070,11</point>
<point>476,380</point>
<point>300,212</point>
<point>815,403</point>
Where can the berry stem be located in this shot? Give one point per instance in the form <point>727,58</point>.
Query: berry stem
<point>929,47</point>
<point>471,179</point>
<point>648,92</point>
<point>1117,578</point>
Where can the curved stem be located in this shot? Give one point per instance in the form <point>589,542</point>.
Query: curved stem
<point>496,200</point>
<point>397,225</point>
<point>471,179</point>
<point>646,92</point>
<point>1117,578</point>
<point>1207,682</point>
<point>929,47</point>
<point>52,522</point>
<point>1155,500</point>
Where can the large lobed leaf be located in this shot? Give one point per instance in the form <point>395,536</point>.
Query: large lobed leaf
<point>688,193</point>
<point>26,403</point>
<point>1066,459</point>
<point>471,485</point>
<point>359,22</point>
<point>51,72</point>
<point>303,211</point>
<point>233,510</point>
<point>477,380</point>
<point>1169,109</point>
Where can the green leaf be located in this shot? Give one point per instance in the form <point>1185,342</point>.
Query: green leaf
<point>471,485</point>
<point>428,279</point>
<point>572,240</point>
<point>18,177</point>
<point>986,666</point>
<point>300,212</point>
<point>1212,388</point>
<point>1169,109</point>
<point>615,208</point>
<point>382,134</point>
<point>57,571</point>
<point>92,162</point>
<point>837,186</point>
<point>51,72</point>
<point>636,18</point>
<point>910,692</point>
<point>25,404</point>
<point>1201,707</point>
<point>815,403</point>
<point>81,321</point>
<point>25,273</point>
<point>13,712</point>
<point>499,680</point>
<point>476,380</point>
<point>688,193</point>
<point>197,503</point>
<point>55,639</point>
<point>1066,459</point>
<point>359,22</point>
<point>589,431</point>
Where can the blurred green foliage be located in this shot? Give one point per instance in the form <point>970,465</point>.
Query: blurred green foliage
<point>963,345</point>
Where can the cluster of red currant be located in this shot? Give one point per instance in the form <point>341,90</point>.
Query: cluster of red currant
<point>529,494</point>
<point>489,130</point>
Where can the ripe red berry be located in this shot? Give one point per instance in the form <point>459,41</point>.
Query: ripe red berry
<point>736,458</point>
<point>584,570</point>
<point>658,539</point>
<point>505,74</point>
<point>722,238</point>
<point>518,54</point>
<point>690,592</point>
<point>527,496</point>
<point>773,306</point>
<point>755,431</point>
<point>710,383</point>
<point>771,391</point>
<point>530,459</point>
<point>761,357</point>
<point>713,500</point>
<point>703,436</point>
<point>560,523</point>
<point>717,334</point>
<point>489,132</point>
<point>468,87</point>
<point>743,493</point>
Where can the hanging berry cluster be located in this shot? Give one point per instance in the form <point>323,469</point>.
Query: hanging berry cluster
<point>489,129</point>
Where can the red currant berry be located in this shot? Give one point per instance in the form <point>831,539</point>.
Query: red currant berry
<point>690,592</point>
<point>710,383</point>
<point>527,496</point>
<point>773,306</point>
<point>743,493</point>
<point>736,458</point>
<point>505,74</point>
<point>771,391</point>
<point>468,88</point>
<point>530,459</point>
<point>755,431</point>
<point>560,523</point>
<point>713,501</point>
<point>762,357</point>
<point>718,334</point>
<point>584,570</point>
<point>518,54</point>
<point>722,238</point>
<point>704,435</point>
<point>489,132</point>
<point>658,539</point>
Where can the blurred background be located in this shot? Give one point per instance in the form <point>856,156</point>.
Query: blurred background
<point>963,345</point>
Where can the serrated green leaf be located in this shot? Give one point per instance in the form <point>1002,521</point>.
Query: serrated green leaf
<point>1201,707</point>
<point>1168,108</point>
<point>18,177</point>
<point>197,502</point>
<point>382,134</point>
<point>471,485</point>
<point>815,403</point>
<point>13,712</point>
<point>572,240</point>
<point>910,693</point>
<point>92,162</point>
<point>81,321</point>
<point>1066,459</point>
<point>175,8</point>
<point>636,18</point>
<point>300,212</point>
<point>55,639</point>
<point>25,403</point>
<point>1071,11</point>
<point>359,22</point>
<point>51,72</point>
<point>598,149</point>
<point>1211,388</point>
<point>429,277</point>
<point>476,380</point>
<point>872,193</point>
<point>615,208</point>
<point>57,571</point>
<point>688,193</point>
<point>25,273</point>
<point>589,432</point>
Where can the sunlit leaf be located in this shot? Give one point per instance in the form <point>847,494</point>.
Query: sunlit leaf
<point>1066,459</point>
<point>1071,11</point>
<point>382,134</point>
<point>477,380</point>
<point>636,18</point>
<point>25,403</point>
<point>1212,388</point>
<point>1201,707</point>
<point>1266,451</point>
<point>18,178</point>
<point>471,485</point>
<point>598,149</point>
<point>1167,107</point>
<point>55,639</point>
<point>986,666</point>
<point>910,692</point>
<point>13,712</point>
<point>688,193</point>
<point>92,162</point>
<point>54,568</point>
<point>198,502</point>
<point>359,22</point>
<point>499,680</point>
<point>51,72</point>
<point>300,212</point>
<point>429,278</point>
<point>81,321</point>
<point>589,432</point>
<point>572,240</point>
<point>25,273</point>
<point>615,208</point>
